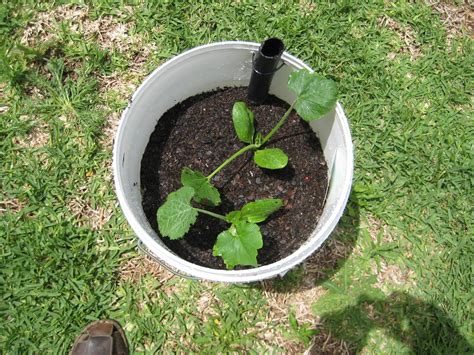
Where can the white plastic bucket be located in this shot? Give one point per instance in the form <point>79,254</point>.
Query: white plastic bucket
<point>203,69</point>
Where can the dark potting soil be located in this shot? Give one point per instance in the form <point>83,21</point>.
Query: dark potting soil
<point>198,133</point>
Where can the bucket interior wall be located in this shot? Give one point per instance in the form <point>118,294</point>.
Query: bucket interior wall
<point>201,71</point>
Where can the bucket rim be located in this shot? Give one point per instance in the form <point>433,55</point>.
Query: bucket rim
<point>279,267</point>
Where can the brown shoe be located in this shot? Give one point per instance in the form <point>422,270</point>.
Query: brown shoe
<point>102,337</point>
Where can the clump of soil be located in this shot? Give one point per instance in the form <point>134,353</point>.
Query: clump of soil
<point>198,133</point>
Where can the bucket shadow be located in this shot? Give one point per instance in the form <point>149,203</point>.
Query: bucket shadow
<point>421,327</point>
<point>326,261</point>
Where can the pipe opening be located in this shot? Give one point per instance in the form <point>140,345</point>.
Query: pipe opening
<point>265,64</point>
<point>272,47</point>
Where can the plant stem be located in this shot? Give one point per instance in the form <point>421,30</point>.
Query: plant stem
<point>279,124</point>
<point>212,214</point>
<point>253,146</point>
<point>232,157</point>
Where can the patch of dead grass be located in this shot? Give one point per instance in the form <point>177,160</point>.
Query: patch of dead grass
<point>111,33</point>
<point>38,137</point>
<point>457,19</point>
<point>108,131</point>
<point>44,26</point>
<point>377,227</point>
<point>84,211</point>
<point>406,35</point>
<point>306,293</point>
<point>303,296</point>
<point>392,275</point>
<point>108,31</point>
<point>306,7</point>
<point>388,275</point>
<point>206,304</point>
<point>3,105</point>
<point>10,204</point>
<point>138,267</point>
<point>325,343</point>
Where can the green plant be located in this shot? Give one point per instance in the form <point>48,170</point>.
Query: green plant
<point>238,245</point>
<point>301,331</point>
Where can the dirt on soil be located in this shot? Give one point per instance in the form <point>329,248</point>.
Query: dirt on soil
<point>198,133</point>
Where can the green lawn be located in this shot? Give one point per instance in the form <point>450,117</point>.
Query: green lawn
<point>395,277</point>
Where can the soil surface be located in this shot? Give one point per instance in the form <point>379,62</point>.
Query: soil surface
<point>198,133</point>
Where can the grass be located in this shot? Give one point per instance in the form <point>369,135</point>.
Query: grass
<point>395,277</point>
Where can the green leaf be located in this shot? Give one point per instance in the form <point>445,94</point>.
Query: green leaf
<point>272,158</point>
<point>234,217</point>
<point>176,215</point>
<point>204,192</point>
<point>258,211</point>
<point>316,95</point>
<point>293,321</point>
<point>243,122</point>
<point>239,244</point>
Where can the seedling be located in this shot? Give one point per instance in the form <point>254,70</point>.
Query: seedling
<point>239,244</point>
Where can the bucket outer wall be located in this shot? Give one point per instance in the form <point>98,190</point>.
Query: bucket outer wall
<point>220,64</point>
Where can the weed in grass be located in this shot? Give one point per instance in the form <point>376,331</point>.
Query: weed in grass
<point>302,331</point>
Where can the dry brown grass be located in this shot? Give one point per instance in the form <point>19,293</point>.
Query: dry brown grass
<point>325,343</point>
<point>457,19</point>
<point>388,275</point>
<point>108,131</point>
<point>3,105</point>
<point>377,227</point>
<point>111,33</point>
<point>306,7</point>
<point>38,137</point>
<point>107,31</point>
<point>139,266</point>
<point>83,210</point>
<point>301,297</point>
<point>10,204</point>
<point>406,35</point>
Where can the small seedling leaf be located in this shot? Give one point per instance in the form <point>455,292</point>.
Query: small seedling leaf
<point>258,139</point>
<point>204,192</point>
<point>234,217</point>
<point>316,95</point>
<point>258,211</point>
<point>272,158</point>
<point>293,321</point>
<point>239,244</point>
<point>176,215</point>
<point>243,119</point>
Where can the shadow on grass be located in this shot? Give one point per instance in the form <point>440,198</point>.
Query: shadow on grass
<point>422,327</point>
<point>346,325</point>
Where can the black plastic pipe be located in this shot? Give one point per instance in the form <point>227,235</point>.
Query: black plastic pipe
<point>265,63</point>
